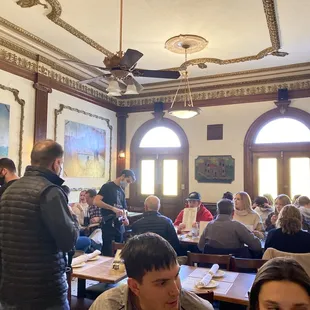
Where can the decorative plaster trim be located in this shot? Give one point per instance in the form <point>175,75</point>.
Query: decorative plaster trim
<point>12,53</point>
<point>224,91</point>
<point>269,9</point>
<point>59,111</point>
<point>21,102</point>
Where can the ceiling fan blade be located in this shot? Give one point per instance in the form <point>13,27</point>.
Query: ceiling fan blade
<point>130,58</point>
<point>156,74</point>
<point>94,79</point>
<point>84,64</point>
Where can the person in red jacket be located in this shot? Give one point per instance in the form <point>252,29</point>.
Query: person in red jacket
<point>203,214</point>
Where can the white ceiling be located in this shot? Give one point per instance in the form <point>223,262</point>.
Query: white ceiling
<point>233,28</point>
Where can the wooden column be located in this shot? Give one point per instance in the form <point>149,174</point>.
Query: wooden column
<point>121,141</point>
<point>42,87</point>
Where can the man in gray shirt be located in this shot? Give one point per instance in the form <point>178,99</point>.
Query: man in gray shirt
<point>153,279</point>
<point>224,233</point>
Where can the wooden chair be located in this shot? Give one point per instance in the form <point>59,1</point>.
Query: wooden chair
<point>246,264</point>
<point>222,260</point>
<point>209,296</point>
<point>117,246</point>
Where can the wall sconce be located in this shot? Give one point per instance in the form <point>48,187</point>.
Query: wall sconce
<point>121,154</point>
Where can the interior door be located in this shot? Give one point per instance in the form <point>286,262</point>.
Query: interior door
<point>268,173</point>
<point>162,176</point>
<point>296,173</point>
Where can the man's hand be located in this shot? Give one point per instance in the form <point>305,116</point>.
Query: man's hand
<point>195,225</point>
<point>96,219</point>
<point>181,227</point>
<point>125,221</point>
<point>118,212</point>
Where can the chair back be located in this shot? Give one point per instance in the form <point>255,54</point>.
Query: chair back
<point>246,265</point>
<point>117,246</point>
<point>222,260</point>
<point>209,296</point>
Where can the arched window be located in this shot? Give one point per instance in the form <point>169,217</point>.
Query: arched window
<point>159,155</point>
<point>283,130</point>
<point>277,154</point>
<point>160,137</point>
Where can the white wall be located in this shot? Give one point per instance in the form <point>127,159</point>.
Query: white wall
<point>55,99</point>
<point>236,119</point>
<point>27,93</point>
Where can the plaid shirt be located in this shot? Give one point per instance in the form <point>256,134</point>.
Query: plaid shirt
<point>94,211</point>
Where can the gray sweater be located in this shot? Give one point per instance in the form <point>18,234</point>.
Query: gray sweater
<point>224,233</point>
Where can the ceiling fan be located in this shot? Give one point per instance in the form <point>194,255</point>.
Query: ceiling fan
<point>120,69</point>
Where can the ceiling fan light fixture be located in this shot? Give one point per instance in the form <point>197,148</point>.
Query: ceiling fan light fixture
<point>113,86</point>
<point>114,94</point>
<point>131,90</point>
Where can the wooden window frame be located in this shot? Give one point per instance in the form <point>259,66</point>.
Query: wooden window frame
<point>250,147</point>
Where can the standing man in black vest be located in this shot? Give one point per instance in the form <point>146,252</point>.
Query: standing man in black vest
<point>36,228</point>
<point>7,174</point>
<point>112,201</point>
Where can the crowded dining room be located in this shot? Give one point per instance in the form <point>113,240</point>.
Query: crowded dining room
<point>154,155</point>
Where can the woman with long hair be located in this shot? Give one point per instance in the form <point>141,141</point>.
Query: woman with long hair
<point>281,283</point>
<point>288,236</point>
<point>244,214</point>
<point>80,208</point>
<point>281,201</point>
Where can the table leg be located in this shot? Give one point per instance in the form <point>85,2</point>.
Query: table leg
<point>81,288</point>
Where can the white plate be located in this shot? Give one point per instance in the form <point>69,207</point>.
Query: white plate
<point>79,265</point>
<point>212,284</point>
<point>219,274</point>
<point>94,258</point>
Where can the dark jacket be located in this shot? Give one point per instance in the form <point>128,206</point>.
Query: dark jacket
<point>297,243</point>
<point>4,187</point>
<point>36,227</point>
<point>154,222</point>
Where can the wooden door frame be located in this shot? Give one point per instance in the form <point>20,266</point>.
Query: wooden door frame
<point>136,151</point>
<point>250,147</point>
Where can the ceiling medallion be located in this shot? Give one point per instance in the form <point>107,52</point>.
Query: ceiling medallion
<point>195,44</point>
<point>185,44</point>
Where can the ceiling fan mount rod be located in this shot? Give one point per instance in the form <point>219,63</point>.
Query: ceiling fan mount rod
<point>120,53</point>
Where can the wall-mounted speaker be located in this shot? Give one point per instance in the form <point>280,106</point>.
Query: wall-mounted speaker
<point>282,94</point>
<point>158,107</point>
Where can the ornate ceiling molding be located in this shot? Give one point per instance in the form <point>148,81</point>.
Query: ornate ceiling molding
<point>271,19</point>
<point>247,88</point>
<point>33,38</point>
<point>54,16</point>
<point>23,58</point>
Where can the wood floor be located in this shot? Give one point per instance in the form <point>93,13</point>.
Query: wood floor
<point>80,304</point>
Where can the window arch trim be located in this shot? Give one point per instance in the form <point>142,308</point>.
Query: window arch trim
<point>250,137</point>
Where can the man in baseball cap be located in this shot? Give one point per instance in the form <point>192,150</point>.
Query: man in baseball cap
<point>203,214</point>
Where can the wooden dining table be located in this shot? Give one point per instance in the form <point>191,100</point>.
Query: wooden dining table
<point>97,270</point>
<point>233,286</point>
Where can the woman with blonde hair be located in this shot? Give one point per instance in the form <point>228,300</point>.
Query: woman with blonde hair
<point>281,201</point>
<point>80,208</point>
<point>270,199</point>
<point>288,236</point>
<point>244,214</point>
<point>281,283</point>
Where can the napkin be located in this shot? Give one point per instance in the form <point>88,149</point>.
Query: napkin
<point>214,269</point>
<point>79,260</point>
<point>94,254</point>
<point>204,281</point>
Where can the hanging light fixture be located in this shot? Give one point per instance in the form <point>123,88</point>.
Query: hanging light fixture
<point>184,44</point>
<point>113,89</point>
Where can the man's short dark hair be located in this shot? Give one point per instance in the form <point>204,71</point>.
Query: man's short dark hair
<point>147,252</point>
<point>8,164</point>
<point>225,206</point>
<point>129,173</point>
<point>91,192</point>
<point>45,152</point>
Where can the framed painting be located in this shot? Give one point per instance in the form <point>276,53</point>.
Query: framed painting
<point>215,169</point>
<point>4,129</point>
<point>85,151</point>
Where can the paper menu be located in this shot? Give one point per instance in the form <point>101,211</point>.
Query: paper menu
<point>202,226</point>
<point>189,217</point>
